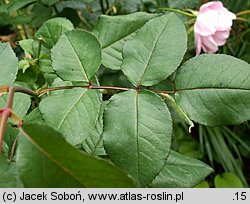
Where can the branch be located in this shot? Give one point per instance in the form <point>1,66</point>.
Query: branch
<point>13,148</point>
<point>107,4</point>
<point>102,6</point>
<point>39,92</point>
<point>46,90</point>
<point>5,113</point>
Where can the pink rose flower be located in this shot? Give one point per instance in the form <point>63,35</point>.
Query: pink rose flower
<point>212,27</point>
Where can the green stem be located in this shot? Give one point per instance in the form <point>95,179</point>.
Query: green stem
<point>102,6</point>
<point>40,40</point>
<point>107,3</point>
<point>10,98</point>
<point>13,148</point>
<point>25,31</point>
<point>178,110</point>
<point>178,11</point>
<point>45,90</point>
<point>237,138</point>
<point>25,91</point>
<point>241,19</point>
<point>56,10</point>
<point>84,21</point>
<point>39,92</point>
<point>243,12</point>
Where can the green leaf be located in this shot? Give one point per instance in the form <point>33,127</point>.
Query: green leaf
<point>73,113</point>
<point>15,5</point>
<point>8,64</point>
<point>7,19</point>
<point>58,82</point>
<point>214,90</point>
<point>180,171</point>
<point>39,14</point>
<point>137,133</point>
<point>50,32</point>
<point>93,144</point>
<point>52,29</point>
<point>76,4</point>
<point>21,103</point>
<point>76,56</point>
<point>115,79</point>
<point>9,176</point>
<point>45,63</point>
<point>227,180</point>
<point>44,159</point>
<point>24,65</point>
<point>34,116</point>
<point>9,136</point>
<point>112,33</point>
<point>152,55</point>
<point>132,6</point>
<point>203,184</point>
<point>49,2</point>
<point>27,46</point>
<point>31,47</point>
<point>189,147</point>
<point>177,4</point>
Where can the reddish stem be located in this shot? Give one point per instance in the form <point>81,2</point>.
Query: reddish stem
<point>5,113</point>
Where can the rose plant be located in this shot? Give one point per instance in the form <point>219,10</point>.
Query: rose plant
<point>64,134</point>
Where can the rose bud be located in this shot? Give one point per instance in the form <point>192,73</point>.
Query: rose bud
<point>212,27</point>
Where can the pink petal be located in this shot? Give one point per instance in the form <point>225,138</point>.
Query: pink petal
<point>230,15</point>
<point>197,42</point>
<point>220,37</point>
<point>224,20</point>
<point>206,23</point>
<point>214,5</point>
<point>209,45</point>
